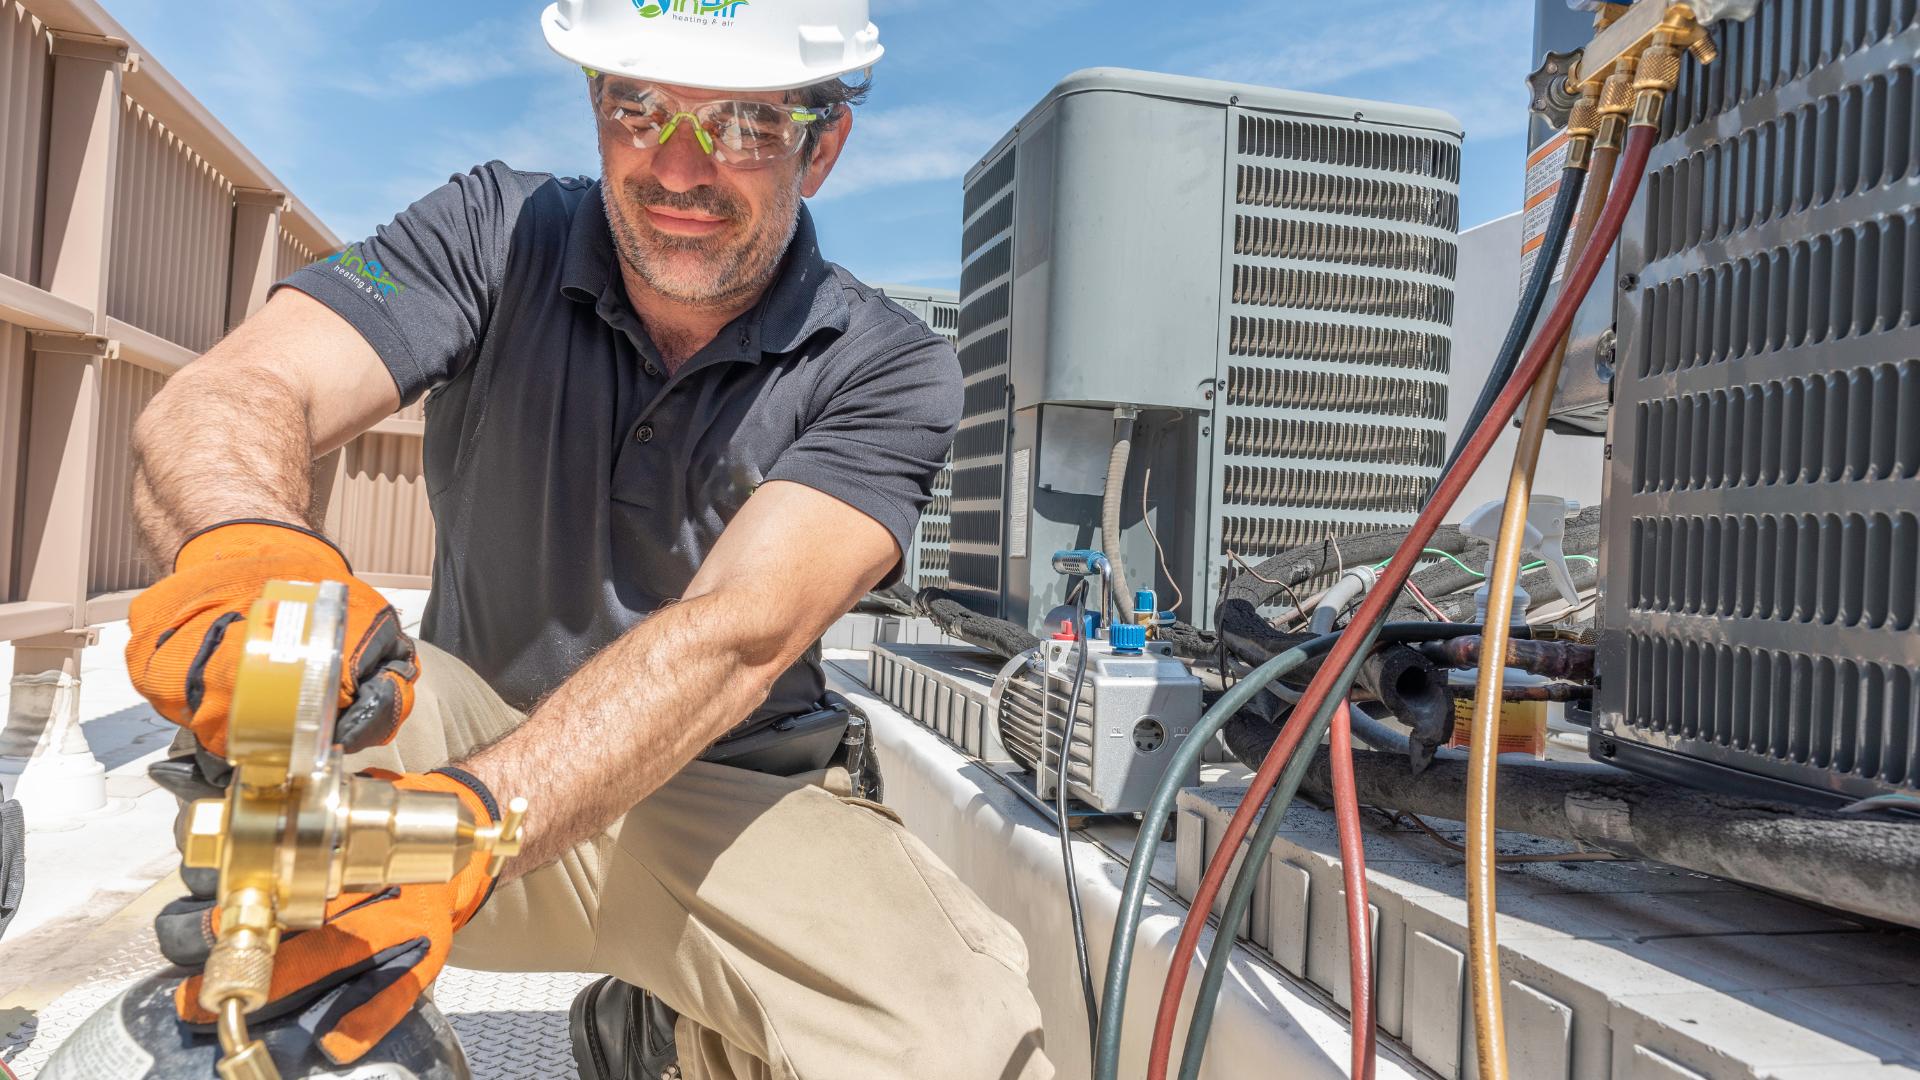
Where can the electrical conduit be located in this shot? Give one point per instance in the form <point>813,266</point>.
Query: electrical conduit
<point>1110,504</point>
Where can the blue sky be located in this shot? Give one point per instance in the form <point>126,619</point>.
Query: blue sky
<point>362,107</point>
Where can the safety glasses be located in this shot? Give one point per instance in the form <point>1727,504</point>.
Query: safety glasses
<point>738,134</point>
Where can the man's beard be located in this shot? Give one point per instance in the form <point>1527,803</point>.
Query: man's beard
<point>708,272</point>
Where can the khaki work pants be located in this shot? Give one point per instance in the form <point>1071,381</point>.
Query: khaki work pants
<point>799,934</point>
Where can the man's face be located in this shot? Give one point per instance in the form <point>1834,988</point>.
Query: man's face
<point>696,231</point>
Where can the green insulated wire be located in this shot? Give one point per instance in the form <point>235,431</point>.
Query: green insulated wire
<point>1455,560</point>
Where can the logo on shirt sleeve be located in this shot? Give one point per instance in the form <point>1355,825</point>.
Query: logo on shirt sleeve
<point>367,275</point>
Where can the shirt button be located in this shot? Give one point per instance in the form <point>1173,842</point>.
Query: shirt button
<point>643,434</point>
<point>651,370</point>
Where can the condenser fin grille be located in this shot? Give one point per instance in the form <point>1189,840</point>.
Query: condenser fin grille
<point>1277,437</point>
<point>1762,545</point>
<point>1356,196</point>
<point>1837,715</point>
<point>1282,238</point>
<point>1353,343</point>
<point>1340,287</point>
<point>973,549</point>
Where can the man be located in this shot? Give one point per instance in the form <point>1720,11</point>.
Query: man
<point>667,445</point>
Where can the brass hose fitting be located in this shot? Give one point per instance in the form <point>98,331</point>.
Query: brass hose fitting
<point>1703,49</point>
<point>1657,74</point>
<point>1583,123</point>
<point>1616,105</point>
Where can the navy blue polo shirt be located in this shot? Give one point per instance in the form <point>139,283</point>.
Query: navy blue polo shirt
<point>576,485</point>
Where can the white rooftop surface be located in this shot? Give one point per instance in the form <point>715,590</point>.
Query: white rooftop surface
<point>1653,958</point>
<point>84,929</point>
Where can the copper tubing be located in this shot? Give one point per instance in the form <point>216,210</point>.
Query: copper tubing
<point>233,1026</point>
<point>1489,1020</point>
<point>1353,872</point>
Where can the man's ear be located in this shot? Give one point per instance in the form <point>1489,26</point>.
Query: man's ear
<point>827,152</point>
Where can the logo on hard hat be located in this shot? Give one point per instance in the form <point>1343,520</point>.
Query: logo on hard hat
<point>699,9</point>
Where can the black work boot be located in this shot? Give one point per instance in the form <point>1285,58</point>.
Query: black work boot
<point>621,1032</point>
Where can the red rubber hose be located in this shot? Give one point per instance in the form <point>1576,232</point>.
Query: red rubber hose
<point>1353,871</point>
<point>1633,163</point>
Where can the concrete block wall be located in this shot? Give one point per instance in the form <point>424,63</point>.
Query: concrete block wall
<point>1614,971</point>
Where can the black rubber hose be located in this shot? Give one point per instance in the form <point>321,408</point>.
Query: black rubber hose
<point>1299,565</point>
<point>895,599</point>
<point>955,619</point>
<point>1410,685</point>
<point>1535,296</point>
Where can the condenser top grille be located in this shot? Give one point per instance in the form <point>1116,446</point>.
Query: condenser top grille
<point>1349,147</point>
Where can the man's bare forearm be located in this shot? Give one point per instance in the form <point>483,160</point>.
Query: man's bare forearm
<point>216,445</point>
<point>628,721</point>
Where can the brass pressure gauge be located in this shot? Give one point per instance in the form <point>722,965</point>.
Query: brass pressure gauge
<point>295,830</point>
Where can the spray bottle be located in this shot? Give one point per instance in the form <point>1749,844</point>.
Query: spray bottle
<point>1523,724</point>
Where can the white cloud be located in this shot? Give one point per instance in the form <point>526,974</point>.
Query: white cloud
<point>1466,59</point>
<point>480,52</point>
<point>911,144</point>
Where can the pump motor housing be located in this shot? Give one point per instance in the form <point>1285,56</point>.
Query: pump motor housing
<point>1134,712</point>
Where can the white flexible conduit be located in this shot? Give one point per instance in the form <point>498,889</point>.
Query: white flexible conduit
<point>1110,504</point>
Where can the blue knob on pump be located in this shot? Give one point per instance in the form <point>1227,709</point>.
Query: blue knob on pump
<point>1085,563</point>
<point>1127,639</point>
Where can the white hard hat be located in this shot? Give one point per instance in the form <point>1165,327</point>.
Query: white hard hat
<point>746,45</point>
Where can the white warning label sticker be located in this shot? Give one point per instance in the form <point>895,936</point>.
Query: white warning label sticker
<point>1017,504</point>
<point>1544,167</point>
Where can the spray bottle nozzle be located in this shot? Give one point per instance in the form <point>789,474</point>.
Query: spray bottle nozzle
<point>1546,537</point>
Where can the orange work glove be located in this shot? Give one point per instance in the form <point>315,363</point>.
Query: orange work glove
<point>369,964</point>
<point>186,649</point>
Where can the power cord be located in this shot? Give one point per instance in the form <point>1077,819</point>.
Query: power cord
<point>1090,999</point>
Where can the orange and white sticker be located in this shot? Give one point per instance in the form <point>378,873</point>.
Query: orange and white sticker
<point>1544,167</point>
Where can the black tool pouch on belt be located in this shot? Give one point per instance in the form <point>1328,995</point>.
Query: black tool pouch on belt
<point>791,745</point>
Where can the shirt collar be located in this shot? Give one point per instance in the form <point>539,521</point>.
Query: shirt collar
<point>804,299</point>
